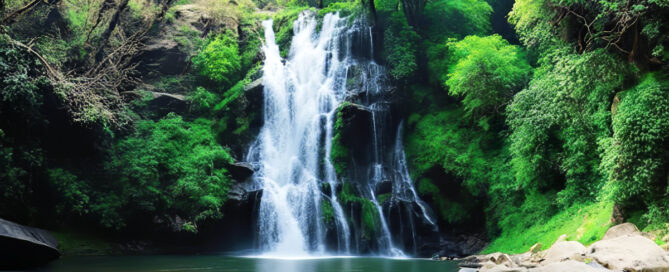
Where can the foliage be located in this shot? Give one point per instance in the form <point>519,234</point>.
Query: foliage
<point>369,215</point>
<point>635,156</point>
<point>500,71</point>
<point>167,168</point>
<point>202,100</point>
<point>327,212</point>
<point>585,223</point>
<point>219,61</point>
<point>339,153</point>
<point>282,22</point>
<point>465,17</point>
<point>557,121</point>
<point>400,45</point>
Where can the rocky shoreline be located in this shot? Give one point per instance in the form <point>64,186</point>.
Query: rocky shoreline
<point>623,248</point>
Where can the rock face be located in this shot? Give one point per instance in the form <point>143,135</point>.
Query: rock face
<point>630,252</point>
<point>24,247</point>
<point>241,171</point>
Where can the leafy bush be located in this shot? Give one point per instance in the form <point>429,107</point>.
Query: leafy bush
<point>488,71</point>
<point>167,168</point>
<point>400,46</point>
<point>558,120</point>
<point>219,61</point>
<point>636,155</point>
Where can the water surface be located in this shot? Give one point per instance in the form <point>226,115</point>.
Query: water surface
<point>240,264</point>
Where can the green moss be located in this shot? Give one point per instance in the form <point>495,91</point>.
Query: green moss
<point>327,212</point>
<point>369,215</point>
<point>339,154</point>
<point>585,223</point>
<point>382,198</point>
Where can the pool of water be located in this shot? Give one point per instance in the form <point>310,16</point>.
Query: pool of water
<point>172,263</point>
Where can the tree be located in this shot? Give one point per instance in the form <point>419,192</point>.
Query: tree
<point>487,72</point>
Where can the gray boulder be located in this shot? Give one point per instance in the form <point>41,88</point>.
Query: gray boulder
<point>630,252</point>
<point>25,247</point>
<point>566,250</point>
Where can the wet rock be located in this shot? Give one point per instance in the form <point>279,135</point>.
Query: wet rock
<point>356,130</point>
<point>241,171</point>
<point>629,252</point>
<point>25,247</point>
<point>241,192</point>
<point>461,245</point>
<point>383,187</point>
<point>566,250</point>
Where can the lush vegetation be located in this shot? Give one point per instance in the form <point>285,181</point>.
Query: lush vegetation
<point>524,130</point>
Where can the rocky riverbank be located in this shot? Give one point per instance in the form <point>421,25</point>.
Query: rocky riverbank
<point>623,248</point>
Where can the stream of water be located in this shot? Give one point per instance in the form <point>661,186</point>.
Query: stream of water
<point>292,151</point>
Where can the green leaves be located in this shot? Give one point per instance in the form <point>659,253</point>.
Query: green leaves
<point>637,157</point>
<point>487,72</point>
<point>171,168</point>
<point>400,45</point>
<point>219,61</point>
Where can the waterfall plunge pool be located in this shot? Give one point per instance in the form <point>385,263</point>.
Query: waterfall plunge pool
<point>240,264</point>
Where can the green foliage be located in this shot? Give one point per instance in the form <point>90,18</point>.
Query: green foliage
<point>442,140</point>
<point>530,20</point>
<point>636,157</point>
<point>327,212</point>
<point>400,46</point>
<point>558,120</point>
<point>585,223</point>
<point>499,69</point>
<point>339,153</point>
<point>282,22</point>
<point>465,17</point>
<point>369,215</point>
<point>347,8</point>
<point>219,61</point>
<point>75,193</point>
<point>202,100</point>
<point>168,168</point>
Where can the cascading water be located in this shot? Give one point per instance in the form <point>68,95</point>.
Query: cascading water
<point>292,150</point>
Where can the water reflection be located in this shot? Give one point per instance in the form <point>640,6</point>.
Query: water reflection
<point>243,264</point>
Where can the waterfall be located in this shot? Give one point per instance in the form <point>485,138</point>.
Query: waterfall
<point>292,151</point>
<point>301,96</point>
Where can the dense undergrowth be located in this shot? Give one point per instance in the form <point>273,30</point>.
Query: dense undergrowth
<point>525,130</point>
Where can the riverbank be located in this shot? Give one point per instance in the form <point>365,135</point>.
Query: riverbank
<point>622,248</point>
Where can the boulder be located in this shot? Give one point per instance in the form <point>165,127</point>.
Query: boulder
<point>630,252</point>
<point>25,247</point>
<point>566,250</point>
<point>568,266</point>
<point>621,230</point>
